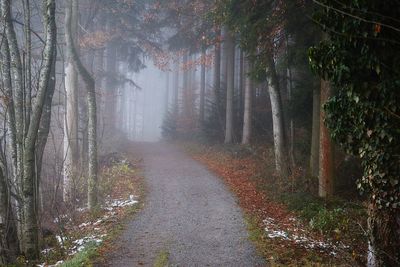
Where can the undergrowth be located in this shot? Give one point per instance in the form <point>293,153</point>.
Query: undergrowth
<point>337,219</point>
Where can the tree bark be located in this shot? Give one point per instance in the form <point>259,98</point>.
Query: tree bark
<point>71,141</point>
<point>230,64</point>
<point>18,100</point>
<point>314,155</point>
<point>326,167</point>
<point>92,113</point>
<point>111,90</point>
<point>9,247</point>
<point>202,87</point>
<point>217,72</point>
<point>248,103</point>
<point>31,231</point>
<point>280,143</point>
<point>176,89</point>
<point>384,237</point>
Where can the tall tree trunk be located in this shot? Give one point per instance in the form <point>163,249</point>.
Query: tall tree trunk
<point>217,70</point>
<point>31,231</point>
<point>314,155</point>
<point>28,57</point>
<point>18,100</point>
<point>291,121</point>
<point>9,247</point>
<point>202,86</point>
<point>111,88</point>
<point>326,167</point>
<point>384,237</point>
<point>167,83</point>
<point>230,64</point>
<point>176,89</point>
<point>248,103</point>
<point>280,144</point>
<point>185,87</point>
<point>92,113</point>
<point>71,140</point>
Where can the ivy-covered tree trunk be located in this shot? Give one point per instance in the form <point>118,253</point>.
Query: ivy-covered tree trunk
<point>326,163</point>
<point>230,83</point>
<point>92,113</point>
<point>384,237</point>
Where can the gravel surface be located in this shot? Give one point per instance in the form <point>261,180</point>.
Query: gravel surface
<point>189,214</point>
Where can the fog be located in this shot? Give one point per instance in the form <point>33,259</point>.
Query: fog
<point>141,107</point>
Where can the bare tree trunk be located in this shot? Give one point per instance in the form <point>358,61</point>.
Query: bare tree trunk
<point>185,87</point>
<point>280,144</point>
<point>111,68</point>
<point>202,86</point>
<point>92,113</point>
<point>326,167</point>
<point>217,71</point>
<point>314,155</point>
<point>18,100</point>
<point>176,89</point>
<point>31,231</point>
<point>230,64</point>
<point>167,83</point>
<point>71,142</point>
<point>28,56</point>
<point>9,247</point>
<point>248,103</point>
<point>291,121</point>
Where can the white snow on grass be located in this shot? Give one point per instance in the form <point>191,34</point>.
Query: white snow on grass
<point>80,244</point>
<point>118,203</point>
<point>298,236</point>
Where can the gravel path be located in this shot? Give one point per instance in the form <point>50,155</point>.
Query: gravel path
<point>189,214</point>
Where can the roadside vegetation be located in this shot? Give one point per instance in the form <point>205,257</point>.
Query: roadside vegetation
<point>81,237</point>
<point>290,225</point>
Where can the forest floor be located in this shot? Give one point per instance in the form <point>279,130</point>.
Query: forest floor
<point>288,229</point>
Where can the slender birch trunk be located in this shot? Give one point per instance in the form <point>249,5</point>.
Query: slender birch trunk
<point>280,143</point>
<point>71,142</point>
<point>92,112</point>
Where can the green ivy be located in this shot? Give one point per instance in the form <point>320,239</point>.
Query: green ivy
<point>360,57</point>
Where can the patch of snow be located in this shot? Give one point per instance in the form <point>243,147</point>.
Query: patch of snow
<point>118,203</point>
<point>298,236</point>
<point>47,251</point>
<point>82,225</point>
<point>81,243</point>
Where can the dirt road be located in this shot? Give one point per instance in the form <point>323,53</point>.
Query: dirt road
<point>190,217</point>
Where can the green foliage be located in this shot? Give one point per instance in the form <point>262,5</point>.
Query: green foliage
<point>84,257</point>
<point>360,57</point>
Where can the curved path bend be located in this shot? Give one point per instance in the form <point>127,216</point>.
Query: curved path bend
<point>189,214</point>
